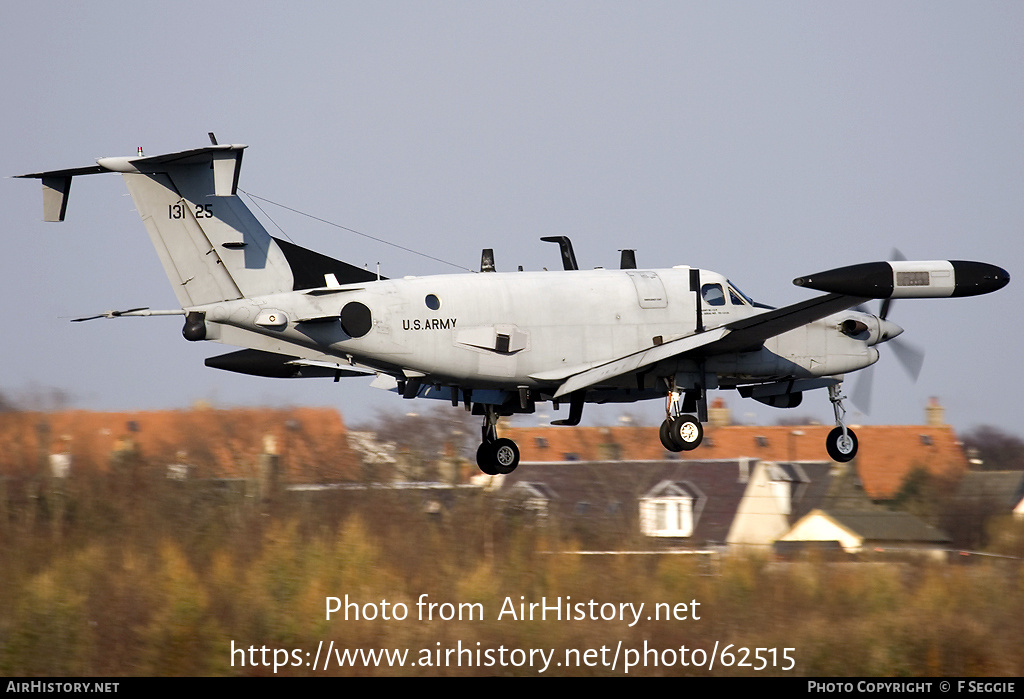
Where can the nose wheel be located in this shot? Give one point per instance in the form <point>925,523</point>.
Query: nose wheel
<point>841,446</point>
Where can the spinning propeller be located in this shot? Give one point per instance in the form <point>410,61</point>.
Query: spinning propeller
<point>909,356</point>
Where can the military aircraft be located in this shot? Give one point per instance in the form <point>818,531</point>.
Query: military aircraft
<point>499,343</point>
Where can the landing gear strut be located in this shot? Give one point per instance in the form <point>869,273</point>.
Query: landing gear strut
<point>680,432</point>
<point>841,442</point>
<point>495,455</point>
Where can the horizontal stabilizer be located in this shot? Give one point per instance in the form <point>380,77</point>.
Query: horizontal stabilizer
<point>226,161</point>
<point>56,187</point>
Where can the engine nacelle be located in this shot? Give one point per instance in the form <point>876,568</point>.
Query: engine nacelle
<point>871,329</point>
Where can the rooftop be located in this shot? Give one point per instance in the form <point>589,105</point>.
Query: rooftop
<point>887,453</point>
<point>221,443</point>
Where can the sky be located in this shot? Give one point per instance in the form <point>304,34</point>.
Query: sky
<point>764,141</point>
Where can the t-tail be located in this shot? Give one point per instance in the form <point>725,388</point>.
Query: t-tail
<point>211,245</point>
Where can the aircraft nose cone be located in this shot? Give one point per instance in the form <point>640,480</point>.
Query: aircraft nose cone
<point>887,330</point>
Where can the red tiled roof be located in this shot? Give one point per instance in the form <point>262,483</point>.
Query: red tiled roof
<point>886,454</point>
<point>216,443</point>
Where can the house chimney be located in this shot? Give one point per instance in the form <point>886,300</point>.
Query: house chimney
<point>935,414</point>
<point>718,414</point>
<point>270,469</point>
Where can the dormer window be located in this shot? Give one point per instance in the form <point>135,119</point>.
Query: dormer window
<point>670,509</point>
<point>668,517</point>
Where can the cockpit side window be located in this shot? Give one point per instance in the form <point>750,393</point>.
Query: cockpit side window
<point>713,294</point>
<point>734,297</point>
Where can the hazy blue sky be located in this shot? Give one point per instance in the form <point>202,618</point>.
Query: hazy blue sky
<point>761,140</point>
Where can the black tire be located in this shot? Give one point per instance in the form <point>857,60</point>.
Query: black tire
<point>665,433</point>
<point>505,455</point>
<point>486,460</point>
<point>687,432</point>
<point>841,450</point>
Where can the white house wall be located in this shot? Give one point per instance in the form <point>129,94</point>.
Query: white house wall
<point>762,517</point>
<point>817,526</point>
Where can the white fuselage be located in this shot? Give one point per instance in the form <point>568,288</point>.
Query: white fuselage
<point>533,329</point>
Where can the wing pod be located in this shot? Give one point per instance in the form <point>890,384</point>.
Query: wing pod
<point>909,279</point>
<point>271,364</point>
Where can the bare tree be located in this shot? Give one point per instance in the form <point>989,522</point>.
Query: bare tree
<point>425,439</point>
<point>992,449</point>
<point>6,404</point>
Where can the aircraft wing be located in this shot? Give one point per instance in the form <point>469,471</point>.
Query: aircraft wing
<point>632,362</point>
<point>742,335</point>
<point>750,333</point>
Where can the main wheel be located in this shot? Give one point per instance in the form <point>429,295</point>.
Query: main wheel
<point>666,437</point>
<point>841,448</point>
<point>687,432</point>
<point>506,455</point>
<point>485,459</point>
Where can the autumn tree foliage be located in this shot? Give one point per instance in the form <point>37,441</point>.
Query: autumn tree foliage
<point>106,575</point>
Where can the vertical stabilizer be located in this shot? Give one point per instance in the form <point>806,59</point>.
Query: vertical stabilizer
<point>211,246</point>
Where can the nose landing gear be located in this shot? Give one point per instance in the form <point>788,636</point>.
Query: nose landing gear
<point>841,442</point>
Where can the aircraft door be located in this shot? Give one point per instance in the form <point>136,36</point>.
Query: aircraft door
<point>650,291</point>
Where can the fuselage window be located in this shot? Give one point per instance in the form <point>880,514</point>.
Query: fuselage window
<point>713,294</point>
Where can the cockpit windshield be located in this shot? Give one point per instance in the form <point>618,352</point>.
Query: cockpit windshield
<point>746,299</point>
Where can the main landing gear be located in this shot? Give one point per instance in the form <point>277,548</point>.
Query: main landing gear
<point>680,432</point>
<point>841,442</point>
<point>495,455</point>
